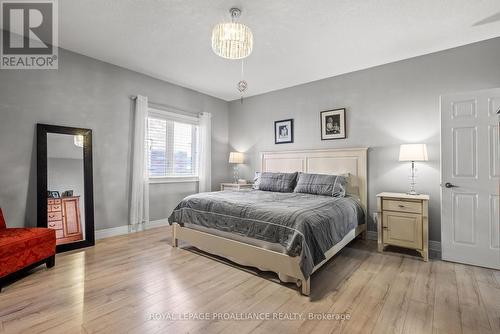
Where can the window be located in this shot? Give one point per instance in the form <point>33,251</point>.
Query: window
<point>172,145</point>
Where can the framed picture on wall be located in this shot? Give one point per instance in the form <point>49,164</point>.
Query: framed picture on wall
<point>333,124</point>
<point>283,131</point>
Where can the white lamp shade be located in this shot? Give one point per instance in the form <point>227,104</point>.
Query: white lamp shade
<point>235,158</point>
<point>232,40</point>
<point>413,152</point>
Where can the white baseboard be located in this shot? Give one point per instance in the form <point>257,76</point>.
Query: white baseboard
<point>435,249</point>
<point>371,235</point>
<point>434,246</point>
<point>157,223</point>
<point>126,229</point>
<point>111,232</point>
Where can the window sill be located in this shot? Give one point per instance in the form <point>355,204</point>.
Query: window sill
<point>173,179</point>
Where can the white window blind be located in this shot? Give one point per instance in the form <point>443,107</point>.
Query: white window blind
<point>172,146</point>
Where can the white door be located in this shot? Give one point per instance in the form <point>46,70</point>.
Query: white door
<point>470,170</point>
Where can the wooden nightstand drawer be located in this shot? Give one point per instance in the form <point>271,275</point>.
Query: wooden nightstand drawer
<point>403,220</point>
<point>402,229</point>
<point>402,206</point>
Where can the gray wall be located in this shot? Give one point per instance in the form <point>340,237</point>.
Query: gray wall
<point>88,93</point>
<point>386,106</point>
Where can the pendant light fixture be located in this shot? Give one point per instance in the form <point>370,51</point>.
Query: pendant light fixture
<point>242,85</point>
<point>78,140</point>
<point>232,40</point>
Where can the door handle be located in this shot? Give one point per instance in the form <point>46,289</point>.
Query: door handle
<point>449,185</point>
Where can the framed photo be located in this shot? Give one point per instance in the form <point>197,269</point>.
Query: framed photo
<point>67,193</point>
<point>333,124</point>
<point>53,194</point>
<point>283,131</point>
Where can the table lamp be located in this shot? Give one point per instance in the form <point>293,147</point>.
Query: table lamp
<point>235,158</point>
<point>413,152</point>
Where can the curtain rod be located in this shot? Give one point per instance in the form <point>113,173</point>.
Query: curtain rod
<point>166,106</point>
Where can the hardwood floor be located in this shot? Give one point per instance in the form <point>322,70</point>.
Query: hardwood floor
<point>121,283</point>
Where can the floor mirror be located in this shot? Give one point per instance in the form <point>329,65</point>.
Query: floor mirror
<point>65,186</point>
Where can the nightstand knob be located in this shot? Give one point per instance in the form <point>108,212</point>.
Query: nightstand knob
<point>385,227</point>
<point>401,205</point>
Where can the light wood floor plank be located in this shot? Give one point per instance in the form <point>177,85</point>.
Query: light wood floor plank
<point>115,286</point>
<point>373,297</point>
<point>496,273</point>
<point>486,276</point>
<point>420,313</point>
<point>334,277</point>
<point>418,319</point>
<point>446,317</point>
<point>472,311</point>
<point>393,313</point>
<point>424,289</point>
<point>343,298</point>
<point>489,290</point>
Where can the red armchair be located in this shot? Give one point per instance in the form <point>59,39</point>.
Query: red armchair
<point>25,247</point>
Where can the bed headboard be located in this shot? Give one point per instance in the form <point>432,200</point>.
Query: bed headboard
<point>326,161</point>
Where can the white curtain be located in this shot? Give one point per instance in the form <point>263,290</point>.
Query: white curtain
<point>205,173</point>
<point>139,200</point>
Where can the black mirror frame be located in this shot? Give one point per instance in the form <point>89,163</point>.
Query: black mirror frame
<point>42,131</point>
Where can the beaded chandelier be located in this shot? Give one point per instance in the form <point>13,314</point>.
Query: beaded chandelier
<point>232,40</point>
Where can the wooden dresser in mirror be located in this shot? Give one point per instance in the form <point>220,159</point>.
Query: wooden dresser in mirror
<point>63,215</point>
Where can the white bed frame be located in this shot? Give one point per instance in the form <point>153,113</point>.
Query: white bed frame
<point>327,161</point>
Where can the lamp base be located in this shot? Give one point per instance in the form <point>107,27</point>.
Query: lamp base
<point>235,174</point>
<point>412,191</point>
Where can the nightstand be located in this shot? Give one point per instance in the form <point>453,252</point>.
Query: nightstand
<point>403,221</point>
<point>235,186</point>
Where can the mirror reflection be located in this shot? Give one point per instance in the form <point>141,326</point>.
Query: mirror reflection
<point>65,187</point>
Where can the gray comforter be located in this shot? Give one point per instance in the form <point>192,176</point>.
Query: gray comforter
<point>305,225</point>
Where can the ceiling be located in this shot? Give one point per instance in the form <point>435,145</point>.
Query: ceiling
<point>294,41</point>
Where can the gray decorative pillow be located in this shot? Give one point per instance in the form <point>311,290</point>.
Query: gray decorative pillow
<point>321,184</point>
<point>278,182</point>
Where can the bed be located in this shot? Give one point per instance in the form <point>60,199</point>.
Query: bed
<point>292,234</point>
